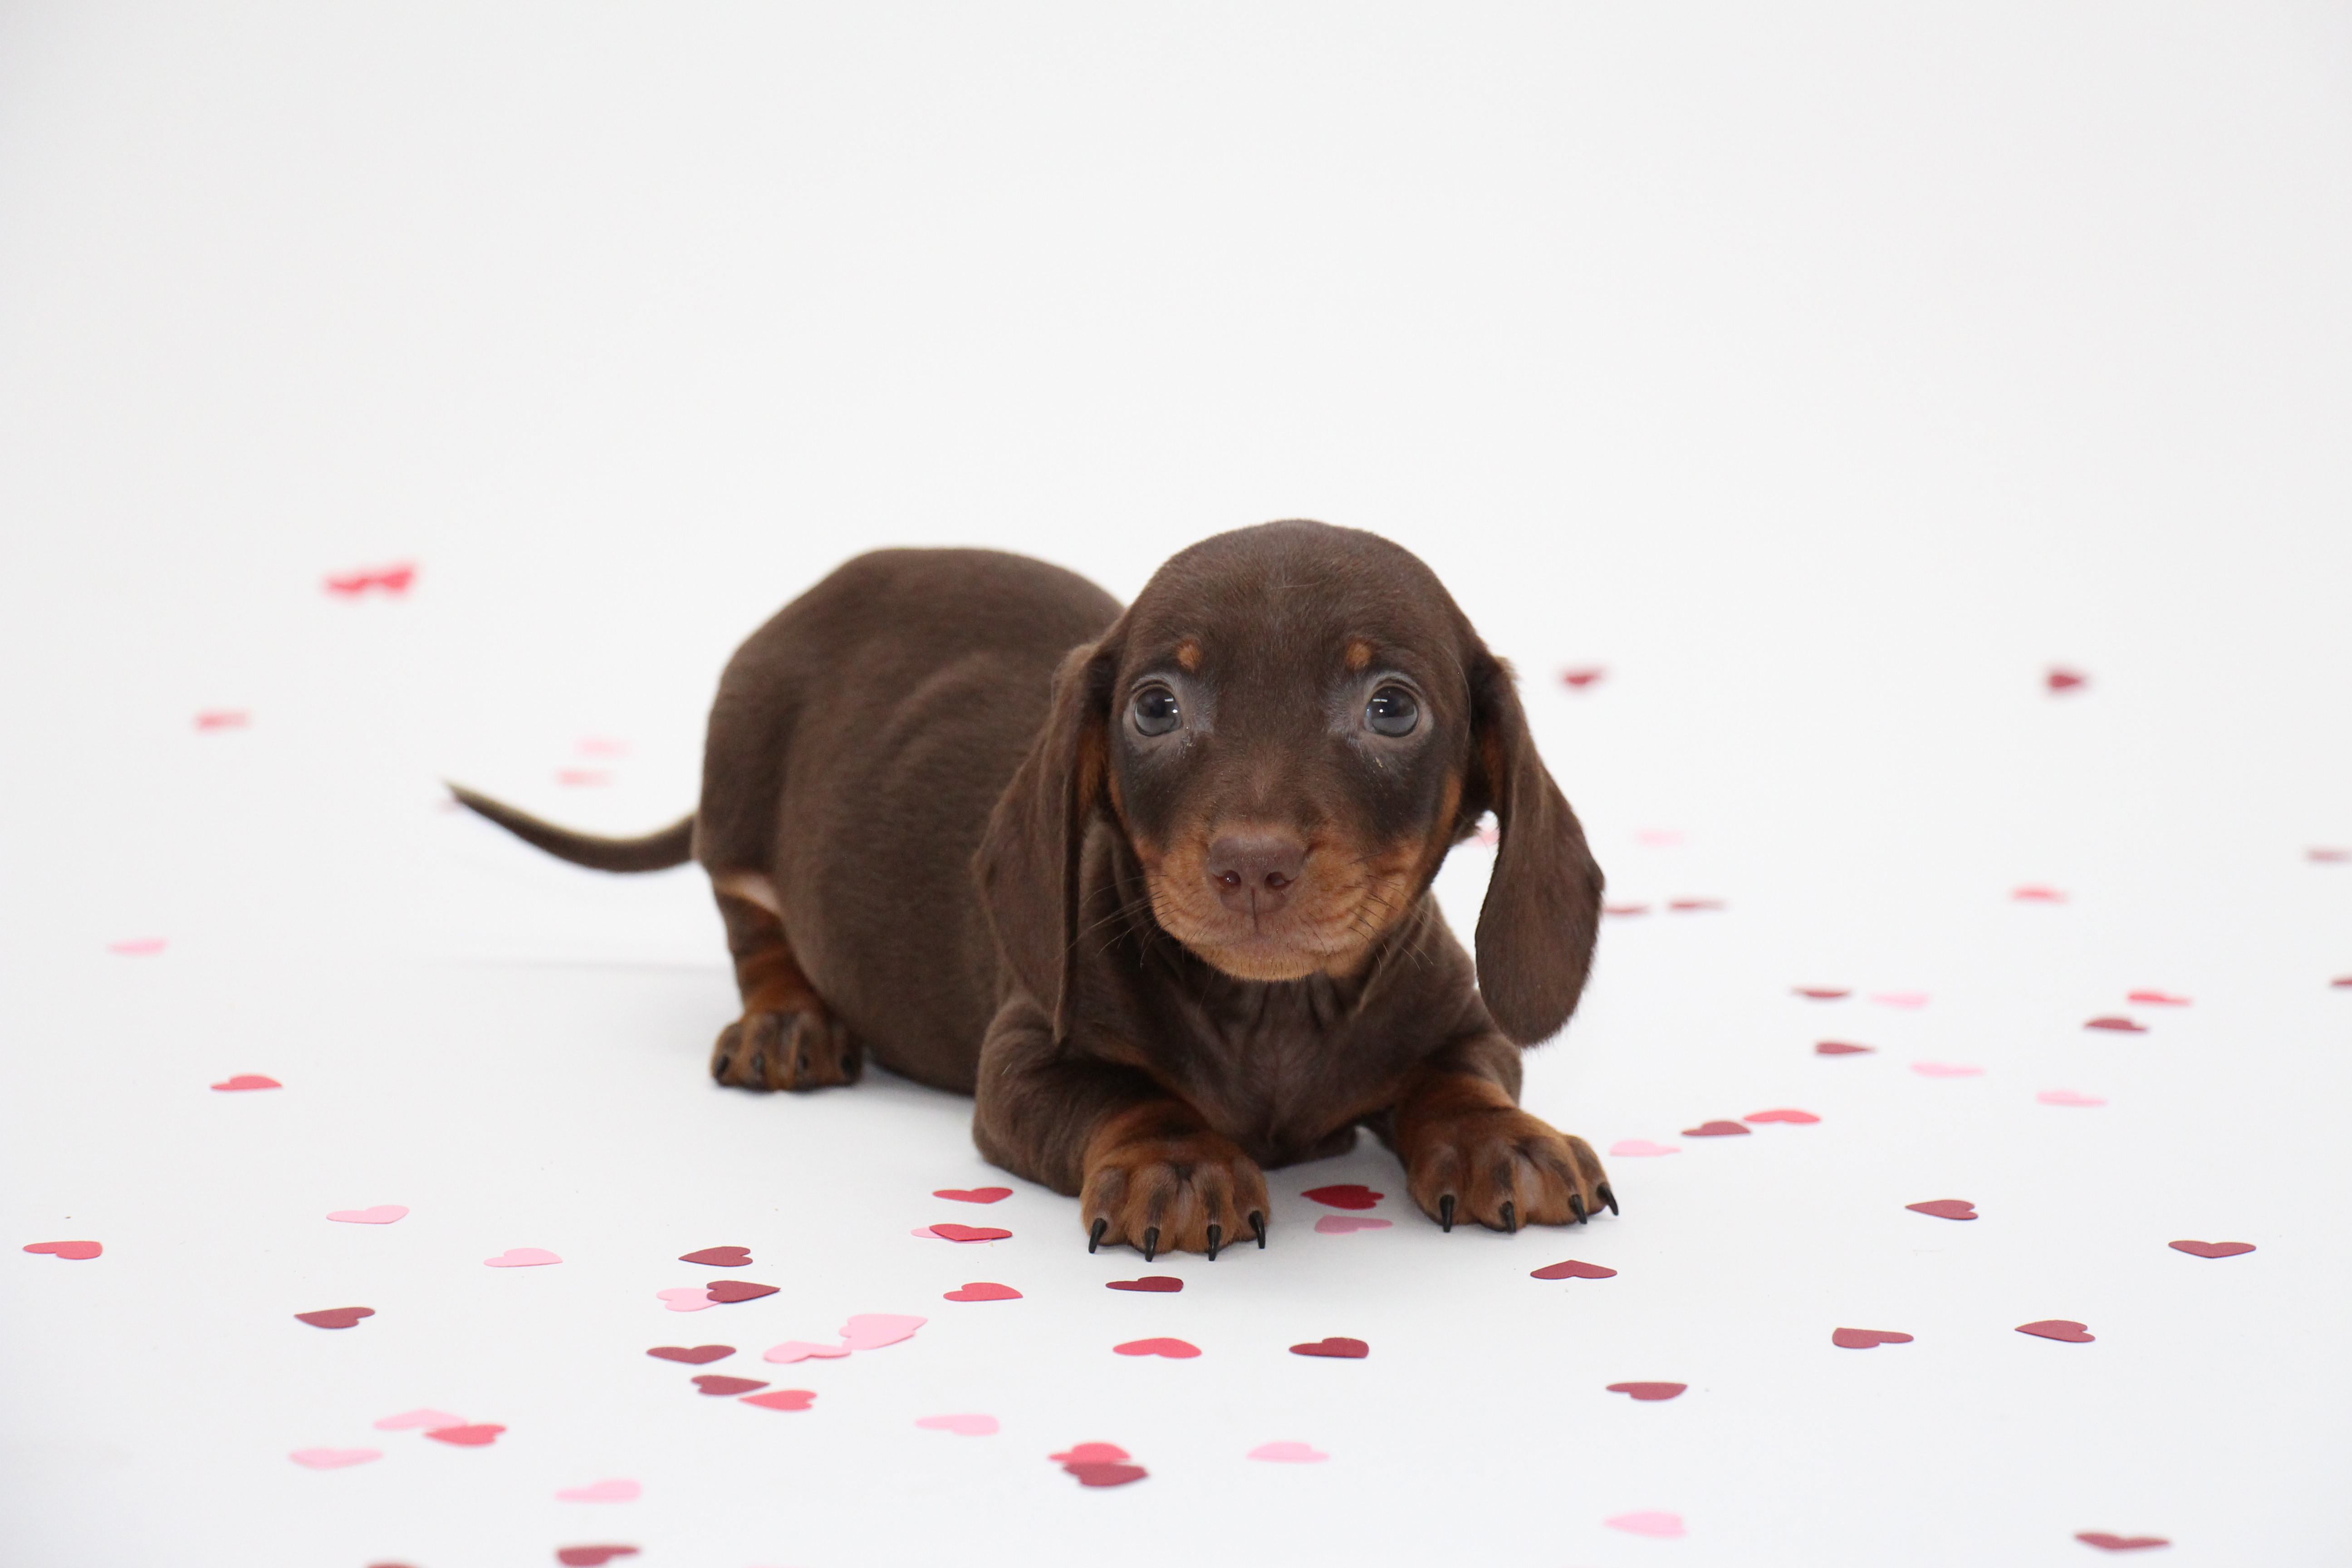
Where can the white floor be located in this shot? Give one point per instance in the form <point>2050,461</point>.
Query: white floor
<point>1825,374</point>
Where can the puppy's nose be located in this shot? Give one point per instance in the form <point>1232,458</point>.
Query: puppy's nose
<point>1254,871</point>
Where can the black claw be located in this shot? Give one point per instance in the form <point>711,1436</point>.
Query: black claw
<point>1257,1224</point>
<point>1445,1213</point>
<point>1575,1202</point>
<point>1150,1243</point>
<point>1095,1240</point>
<point>1511,1217</point>
<point>1216,1239</point>
<point>1607,1196</point>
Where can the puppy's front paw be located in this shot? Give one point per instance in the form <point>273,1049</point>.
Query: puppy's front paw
<point>1502,1168</point>
<point>1158,1181</point>
<point>805,1049</point>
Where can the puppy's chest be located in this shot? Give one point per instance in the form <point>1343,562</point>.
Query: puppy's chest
<point>1284,1079</point>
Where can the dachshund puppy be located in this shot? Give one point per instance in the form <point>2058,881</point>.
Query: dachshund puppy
<point>1152,885</point>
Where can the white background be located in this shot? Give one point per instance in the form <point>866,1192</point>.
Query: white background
<point>1825,372</point>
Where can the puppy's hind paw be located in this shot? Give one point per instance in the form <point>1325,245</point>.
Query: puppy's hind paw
<point>805,1049</point>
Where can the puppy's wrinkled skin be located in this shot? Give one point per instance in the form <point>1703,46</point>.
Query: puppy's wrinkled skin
<point>1153,884</point>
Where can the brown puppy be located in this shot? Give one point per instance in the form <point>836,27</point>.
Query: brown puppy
<point>1201,940</point>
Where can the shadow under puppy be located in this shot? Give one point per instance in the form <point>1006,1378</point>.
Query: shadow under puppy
<point>1152,885</point>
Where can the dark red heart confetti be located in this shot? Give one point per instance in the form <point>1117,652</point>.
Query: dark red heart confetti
<point>1867,1339</point>
<point>2342,983</point>
<point>2212,1248</point>
<point>974,1194</point>
<point>740,1290</point>
<point>1822,993</point>
<point>592,1556</point>
<point>1345,1196</point>
<point>1581,678</point>
<point>1572,1269</point>
<point>336,1317</point>
<point>476,1436</point>
<point>984,1290</point>
<point>1946,1208</point>
<point>2106,1543</point>
<point>1165,1282</point>
<point>2064,1329</point>
<point>969,1233</point>
<point>720,1257</point>
<point>1840,1048</point>
<point>1649,1389</point>
<point>73,1251</point>
<point>715,1383</point>
<point>2061,679</point>
<point>693,1355</point>
<point>2120,1026</point>
<point>1106,1475</point>
<point>782,1399</point>
<point>1718,1130</point>
<point>1350,1350</point>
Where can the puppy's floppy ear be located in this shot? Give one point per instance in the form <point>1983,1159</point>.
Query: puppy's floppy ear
<point>1028,861</point>
<point>1543,905</point>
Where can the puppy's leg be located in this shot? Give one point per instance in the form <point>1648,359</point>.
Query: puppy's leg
<point>787,1038</point>
<point>1471,1153</point>
<point>1147,1169</point>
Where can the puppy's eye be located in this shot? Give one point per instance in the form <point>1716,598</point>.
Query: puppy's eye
<point>1155,710</point>
<point>1392,711</point>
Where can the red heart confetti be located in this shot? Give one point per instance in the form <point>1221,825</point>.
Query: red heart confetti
<point>1163,1282</point>
<point>1717,1130</point>
<point>1795,1118</point>
<point>693,1355</point>
<point>1840,1048</point>
<point>1579,678</point>
<point>1649,1389</point>
<point>740,1290</point>
<point>336,1317</point>
<point>478,1436</point>
<point>1822,993</point>
<point>2038,895</point>
<point>2156,999</point>
<point>245,1080</point>
<point>1106,1475</point>
<point>592,1556</point>
<point>984,1290</point>
<point>1867,1339</point>
<point>974,1194</point>
<point>1092,1454</point>
<point>2212,1248</point>
<point>2342,983</point>
<point>1692,906</point>
<point>717,1383</point>
<point>1174,1350</point>
<point>1572,1269</point>
<point>222,719</point>
<point>720,1257</point>
<point>970,1233</point>
<point>2120,1026</point>
<point>74,1251</point>
<point>2064,1329</point>
<point>782,1399</point>
<point>1346,1349</point>
<point>2106,1543</point>
<point>1625,909</point>
<point>1346,1195</point>
<point>2061,679</point>
<point>1946,1208</point>
<point>392,580</point>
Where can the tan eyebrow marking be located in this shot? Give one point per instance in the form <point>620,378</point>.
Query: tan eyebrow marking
<point>1188,653</point>
<point>1360,653</point>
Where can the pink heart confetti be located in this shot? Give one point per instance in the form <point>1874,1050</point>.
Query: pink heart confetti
<point>1658,1525</point>
<point>2328,857</point>
<point>782,1399</point>
<point>248,1080</point>
<point>1572,1269</point>
<point>222,719</point>
<point>687,1298</point>
<point>481,1435</point>
<point>2156,999</point>
<point>1174,1350</point>
<point>2038,895</point>
<point>523,1257</point>
<point>2119,1025</point>
<point>2105,1542</point>
<point>872,1330</point>
<point>961,1426</point>
<point>1287,1454</point>
<point>583,778</point>
<point>2066,1329</point>
<point>1946,1208</point>
<point>412,1420</point>
<point>1341,1224</point>
<point>71,1251</point>
<point>984,1290</point>
<point>1693,906</point>
<point>381,1213</point>
<point>601,746</point>
<point>1867,1339</point>
<point>1578,679</point>
<point>1625,909</point>
<point>334,1458</point>
<point>1092,1454</point>
<point>2067,1096</point>
<point>2212,1248</point>
<point>602,1492</point>
<point>1900,998</point>
<point>801,1350</point>
<point>2061,679</point>
<point>1794,1118</point>
<point>137,947</point>
<point>1944,1069</point>
<point>974,1194</point>
<point>394,580</point>
<point>1641,1146</point>
<point>1840,1048</point>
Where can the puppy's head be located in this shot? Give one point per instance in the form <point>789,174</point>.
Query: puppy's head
<point>1291,726</point>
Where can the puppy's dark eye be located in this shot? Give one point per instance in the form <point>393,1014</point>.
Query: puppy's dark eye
<point>1392,711</point>
<point>1156,712</point>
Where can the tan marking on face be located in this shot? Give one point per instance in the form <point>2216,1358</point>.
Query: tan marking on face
<point>1359,655</point>
<point>1188,655</point>
<point>1351,895</point>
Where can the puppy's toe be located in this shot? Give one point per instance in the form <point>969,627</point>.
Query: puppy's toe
<point>1194,1192</point>
<point>1502,1168</point>
<point>804,1048</point>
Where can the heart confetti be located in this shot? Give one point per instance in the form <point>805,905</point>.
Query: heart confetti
<point>1900,998</point>
<point>1625,909</point>
<point>718,1384</point>
<point>720,1257</point>
<point>335,1317</point>
<point>970,1233</point>
<point>1092,1454</point>
<point>1572,1269</point>
<point>1106,1475</point>
<point>477,1436</point>
<point>523,1257</point>
<point>394,580</point>
<point>602,1492</point>
<point>2061,679</point>
<point>693,1355</point>
<point>246,1080</point>
<point>1168,1283</point>
<point>334,1458</point>
<point>739,1291</point>
<point>1641,1146</point>
<point>2038,895</point>
<point>961,1426</point>
<point>583,778</point>
<point>222,719</point>
<point>687,1298</point>
<point>382,1213</point>
<point>1840,1048</point>
<point>1346,1195</point>
<point>1822,993</point>
<point>1693,906</point>
<point>1867,1339</point>
<point>72,1251</point>
<point>2156,999</point>
<point>2066,1329</point>
<point>1657,837</point>
<point>2328,857</point>
<point>872,1330</point>
<point>1287,1454</point>
<point>1659,1526</point>
<point>1344,1348</point>
<point>2106,1543</point>
<point>1173,1350</point>
<point>1794,1118</point>
<point>2067,1096</point>
<point>137,947</point>
<point>1578,680</point>
<point>1649,1391</point>
<point>2120,1026</point>
<point>1718,1130</point>
<point>1944,1069</point>
<point>974,1194</point>
<point>984,1290</point>
<point>782,1399</point>
<point>793,1350</point>
<point>592,1556</point>
<point>1341,1224</point>
<point>412,1420</point>
<point>1946,1208</point>
<point>2212,1248</point>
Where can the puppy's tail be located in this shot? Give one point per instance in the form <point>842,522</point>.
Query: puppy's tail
<point>673,846</point>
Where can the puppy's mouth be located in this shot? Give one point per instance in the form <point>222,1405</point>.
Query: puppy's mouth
<point>1266,910</point>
